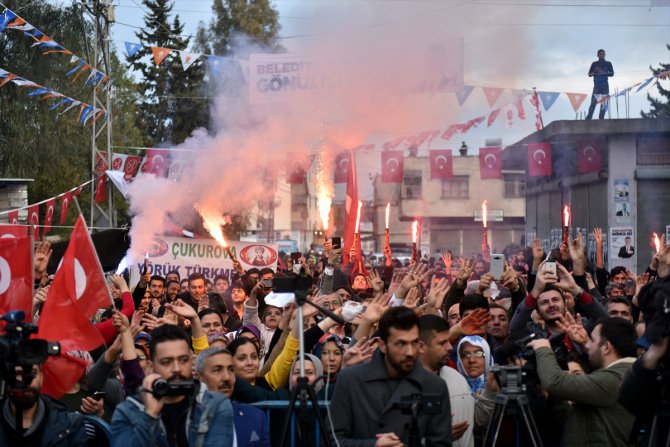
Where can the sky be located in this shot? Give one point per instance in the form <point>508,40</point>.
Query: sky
<point>520,44</point>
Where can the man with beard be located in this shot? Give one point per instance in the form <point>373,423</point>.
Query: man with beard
<point>364,407</point>
<point>200,418</point>
<point>497,330</point>
<point>434,353</point>
<point>216,370</point>
<point>548,298</point>
<point>46,422</point>
<point>595,417</point>
<point>196,296</point>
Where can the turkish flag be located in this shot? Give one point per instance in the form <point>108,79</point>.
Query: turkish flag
<point>539,159</point>
<point>101,189</point>
<point>101,164</point>
<point>13,217</point>
<point>393,167</point>
<point>49,215</point>
<point>34,217</point>
<point>131,166</point>
<point>589,159</point>
<point>441,164</point>
<point>65,200</point>
<point>341,167</point>
<point>13,231</point>
<point>350,209</point>
<point>159,162</point>
<point>490,163</point>
<point>16,274</point>
<point>295,172</point>
<point>61,373</point>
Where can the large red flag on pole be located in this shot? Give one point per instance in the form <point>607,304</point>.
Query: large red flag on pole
<point>16,274</point>
<point>350,211</point>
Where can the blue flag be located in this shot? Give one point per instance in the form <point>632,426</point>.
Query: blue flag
<point>132,48</point>
<point>644,84</point>
<point>548,99</point>
<point>5,18</point>
<point>463,94</point>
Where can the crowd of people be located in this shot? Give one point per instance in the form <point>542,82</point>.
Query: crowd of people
<point>186,358</point>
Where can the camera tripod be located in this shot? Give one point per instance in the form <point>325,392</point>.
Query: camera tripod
<point>512,400</point>
<point>303,392</point>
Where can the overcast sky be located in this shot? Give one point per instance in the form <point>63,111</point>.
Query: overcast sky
<point>507,43</point>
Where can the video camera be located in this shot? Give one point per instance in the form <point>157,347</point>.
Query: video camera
<point>161,388</point>
<point>519,348</point>
<point>18,349</point>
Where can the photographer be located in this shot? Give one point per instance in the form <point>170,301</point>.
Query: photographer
<point>186,415</point>
<point>595,417</point>
<point>46,422</point>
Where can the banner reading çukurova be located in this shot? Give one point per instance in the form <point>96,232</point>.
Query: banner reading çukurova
<point>206,256</point>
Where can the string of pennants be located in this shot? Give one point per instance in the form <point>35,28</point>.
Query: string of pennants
<point>65,199</point>
<point>216,63</point>
<point>10,20</point>
<point>640,86</point>
<point>86,111</point>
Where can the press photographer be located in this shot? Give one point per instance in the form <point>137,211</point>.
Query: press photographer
<point>41,420</point>
<point>645,390</point>
<point>172,408</point>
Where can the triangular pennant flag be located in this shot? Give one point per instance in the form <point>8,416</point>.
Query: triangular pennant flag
<point>132,48</point>
<point>492,94</point>
<point>576,99</point>
<point>5,18</point>
<point>160,54</point>
<point>462,95</point>
<point>215,64</point>
<point>645,83</point>
<point>548,99</point>
<point>187,59</point>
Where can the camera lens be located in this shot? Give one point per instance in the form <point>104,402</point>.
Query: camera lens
<point>159,388</point>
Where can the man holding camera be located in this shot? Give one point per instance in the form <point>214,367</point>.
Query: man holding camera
<point>595,418</point>
<point>46,422</point>
<point>172,409</point>
<point>370,403</point>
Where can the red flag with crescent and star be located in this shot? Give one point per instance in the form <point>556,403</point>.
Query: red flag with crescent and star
<point>441,164</point>
<point>64,205</point>
<point>539,159</point>
<point>589,159</point>
<point>16,274</point>
<point>49,215</point>
<point>341,167</point>
<point>34,218</point>
<point>393,167</point>
<point>490,163</point>
<point>350,210</point>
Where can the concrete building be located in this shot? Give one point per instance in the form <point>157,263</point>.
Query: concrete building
<point>14,194</point>
<point>629,195</point>
<point>449,210</point>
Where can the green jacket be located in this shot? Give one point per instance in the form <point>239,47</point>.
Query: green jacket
<point>596,418</point>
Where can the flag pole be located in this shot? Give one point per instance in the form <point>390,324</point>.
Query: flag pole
<point>97,259</point>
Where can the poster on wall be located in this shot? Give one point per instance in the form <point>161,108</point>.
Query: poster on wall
<point>621,246</point>
<point>622,212</point>
<point>622,190</point>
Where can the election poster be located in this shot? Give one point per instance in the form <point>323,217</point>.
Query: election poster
<point>206,256</point>
<point>622,250</point>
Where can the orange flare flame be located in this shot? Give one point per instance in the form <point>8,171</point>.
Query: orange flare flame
<point>484,213</point>
<point>324,210</point>
<point>388,212</point>
<point>213,223</point>
<point>656,242</point>
<point>566,216</point>
<point>415,231</point>
<point>358,217</point>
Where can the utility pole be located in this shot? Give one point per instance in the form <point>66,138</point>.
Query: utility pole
<point>102,14</point>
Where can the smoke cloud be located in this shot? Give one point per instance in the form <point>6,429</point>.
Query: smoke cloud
<point>373,56</point>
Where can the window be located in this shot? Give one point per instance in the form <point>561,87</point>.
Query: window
<point>456,187</point>
<point>411,184</point>
<point>515,185</point>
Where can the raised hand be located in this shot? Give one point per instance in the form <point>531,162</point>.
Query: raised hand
<point>412,298</point>
<point>417,273</point>
<point>538,253</point>
<point>41,257</point>
<point>598,235</point>
<point>360,352</point>
<point>437,294</point>
<point>474,323</point>
<point>574,328</point>
<point>485,282</point>
<point>376,282</point>
<point>446,258</point>
<point>119,282</point>
<point>465,272</point>
<point>120,321</point>
<point>566,281</point>
<point>542,279</point>
<point>510,278</point>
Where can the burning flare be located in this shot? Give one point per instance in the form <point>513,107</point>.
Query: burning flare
<point>415,231</point>
<point>566,216</point>
<point>358,217</point>
<point>656,242</point>
<point>388,213</point>
<point>484,213</point>
<point>324,209</point>
<point>324,187</point>
<point>213,223</point>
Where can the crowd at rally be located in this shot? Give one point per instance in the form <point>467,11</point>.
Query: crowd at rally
<point>185,358</point>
